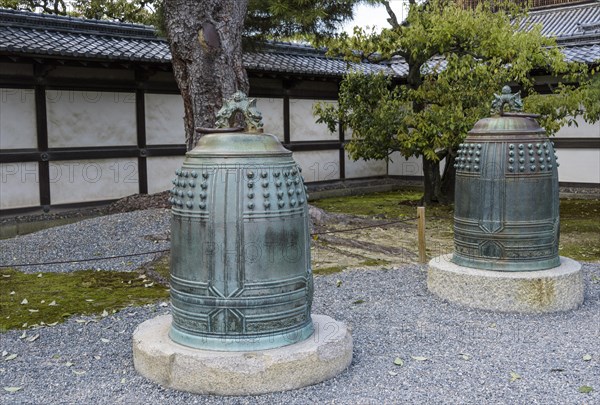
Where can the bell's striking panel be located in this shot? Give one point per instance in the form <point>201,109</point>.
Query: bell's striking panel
<point>506,214</point>
<point>240,256</point>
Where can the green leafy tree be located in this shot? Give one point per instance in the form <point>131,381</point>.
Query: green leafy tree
<point>457,59</point>
<point>134,11</point>
<point>264,18</point>
<point>274,19</point>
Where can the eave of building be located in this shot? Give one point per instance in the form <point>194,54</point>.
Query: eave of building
<point>79,42</point>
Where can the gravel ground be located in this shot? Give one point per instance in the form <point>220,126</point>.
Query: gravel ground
<point>470,354</point>
<point>111,235</point>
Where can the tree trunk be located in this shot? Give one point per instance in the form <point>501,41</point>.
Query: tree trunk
<point>205,39</point>
<point>449,178</point>
<point>432,181</point>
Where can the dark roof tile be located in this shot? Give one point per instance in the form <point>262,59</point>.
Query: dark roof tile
<point>577,27</point>
<point>569,24</point>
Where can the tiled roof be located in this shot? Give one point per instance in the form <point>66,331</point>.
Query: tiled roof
<point>569,24</point>
<point>587,53</point>
<point>44,42</point>
<point>304,59</point>
<point>22,33</point>
<point>33,34</point>
<point>46,35</point>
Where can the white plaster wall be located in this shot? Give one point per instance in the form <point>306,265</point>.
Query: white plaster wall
<point>161,170</point>
<point>363,168</point>
<point>17,119</point>
<point>319,165</point>
<point>583,130</point>
<point>399,166</point>
<point>348,133</point>
<point>302,123</point>
<point>579,165</point>
<point>90,118</point>
<point>164,119</point>
<point>92,180</point>
<point>411,167</point>
<point>272,113</point>
<point>19,185</point>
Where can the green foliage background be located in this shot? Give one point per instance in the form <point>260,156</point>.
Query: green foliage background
<point>457,59</point>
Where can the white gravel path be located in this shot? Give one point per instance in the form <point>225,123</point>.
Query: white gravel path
<point>470,353</point>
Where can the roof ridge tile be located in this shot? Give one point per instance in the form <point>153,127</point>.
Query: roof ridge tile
<point>78,25</point>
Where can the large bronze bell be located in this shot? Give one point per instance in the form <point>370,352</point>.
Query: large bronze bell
<point>240,255</point>
<point>506,214</point>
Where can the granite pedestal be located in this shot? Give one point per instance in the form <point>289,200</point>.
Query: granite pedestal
<point>322,356</point>
<point>553,290</point>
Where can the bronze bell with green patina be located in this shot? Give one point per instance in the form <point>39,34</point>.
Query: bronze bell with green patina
<point>240,244</point>
<point>506,214</point>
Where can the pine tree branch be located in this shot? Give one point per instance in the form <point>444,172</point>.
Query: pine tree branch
<point>392,20</point>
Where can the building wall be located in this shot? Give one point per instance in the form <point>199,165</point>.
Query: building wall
<point>579,166</point>
<point>161,170</point>
<point>320,165</point>
<point>90,118</point>
<point>19,185</point>
<point>578,151</point>
<point>272,113</point>
<point>164,119</point>
<point>400,166</point>
<point>74,181</point>
<point>17,119</point>
<point>75,135</point>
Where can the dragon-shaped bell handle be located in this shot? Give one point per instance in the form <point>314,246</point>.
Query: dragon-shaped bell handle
<point>237,103</point>
<point>506,98</point>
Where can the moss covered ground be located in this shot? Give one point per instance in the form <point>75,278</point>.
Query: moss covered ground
<point>47,298</point>
<point>579,226</point>
<point>580,229</point>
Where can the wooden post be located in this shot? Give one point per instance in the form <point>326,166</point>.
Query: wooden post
<point>421,233</point>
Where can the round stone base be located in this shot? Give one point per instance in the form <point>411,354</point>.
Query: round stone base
<point>323,355</point>
<point>552,290</point>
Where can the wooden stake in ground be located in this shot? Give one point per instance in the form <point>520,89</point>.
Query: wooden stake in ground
<point>421,234</point>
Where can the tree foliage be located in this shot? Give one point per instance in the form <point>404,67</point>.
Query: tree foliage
<point>134,11</point>
<point>269,19</point>
<point>265,19</point>
<point>457,59</point>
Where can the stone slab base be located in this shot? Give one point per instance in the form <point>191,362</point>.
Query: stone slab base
<point>553,290</point>
<point>322,356</point>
